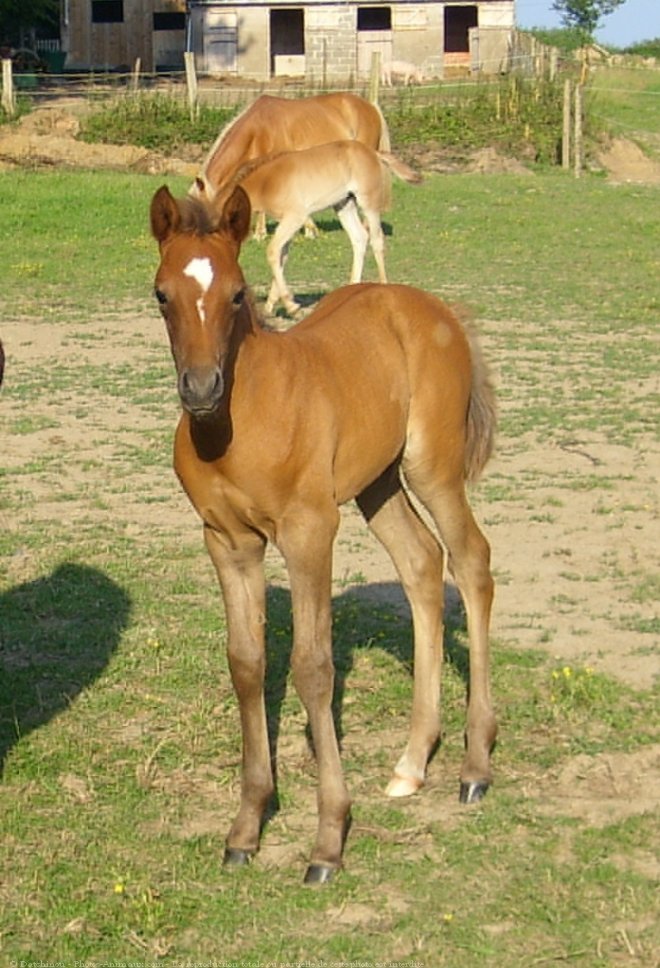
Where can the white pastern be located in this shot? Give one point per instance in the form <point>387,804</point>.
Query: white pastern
<point>201,271</point>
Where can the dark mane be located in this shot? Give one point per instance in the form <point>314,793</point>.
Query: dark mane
<point>197,217</point>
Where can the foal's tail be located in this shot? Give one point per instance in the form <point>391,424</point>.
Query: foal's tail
<point>481,416</point>
<point>400,168</point>
<point>390,163</point>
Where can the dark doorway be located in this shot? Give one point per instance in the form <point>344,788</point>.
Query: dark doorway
<point>458,21</point>
<point>287,34</point>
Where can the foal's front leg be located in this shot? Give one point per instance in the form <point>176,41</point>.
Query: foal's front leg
<point>307,548</point>
<point>240,570</point>
<point>277,253</point>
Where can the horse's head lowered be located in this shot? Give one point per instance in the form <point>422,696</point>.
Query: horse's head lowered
<point>200,289</point>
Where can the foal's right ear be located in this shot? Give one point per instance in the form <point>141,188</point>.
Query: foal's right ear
<point>165,215</point>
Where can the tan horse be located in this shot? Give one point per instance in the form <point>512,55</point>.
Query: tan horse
<point>295,184</point>
<point>273,124</point>
<point>377,385</point>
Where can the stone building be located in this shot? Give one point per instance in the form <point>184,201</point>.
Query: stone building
<point>321,40</point>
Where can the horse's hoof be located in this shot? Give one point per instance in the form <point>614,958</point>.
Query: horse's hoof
<point>474,791</point>
<point>403,786</point>
<point>319,874</point>
<point>236,857</point>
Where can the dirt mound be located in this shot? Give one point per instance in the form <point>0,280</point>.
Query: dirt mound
<point>48,136</point>
<point>624,161</point>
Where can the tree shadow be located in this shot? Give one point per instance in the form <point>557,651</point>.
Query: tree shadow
<point>377,612</point>
<point>57,635</point>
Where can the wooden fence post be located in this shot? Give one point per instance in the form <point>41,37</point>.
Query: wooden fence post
<point>374,77</point>
<point>135,81</point>
<point>191,83</point>
<point>578,130</point>
<point>566,130</point>
<point>8,99</point>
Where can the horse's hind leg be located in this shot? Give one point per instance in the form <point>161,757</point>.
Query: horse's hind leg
<point>259,232</point>
<point>348,215</point>
<point>418,559</point>
<point>469,563</point>
<point>310,229</point>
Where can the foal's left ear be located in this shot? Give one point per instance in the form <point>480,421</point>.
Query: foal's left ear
<point>165,215</point>
<point>236,215</point>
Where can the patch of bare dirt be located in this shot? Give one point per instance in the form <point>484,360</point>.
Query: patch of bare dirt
<point>624,161</point>
<point>603,789</point>
<point>48,137</point>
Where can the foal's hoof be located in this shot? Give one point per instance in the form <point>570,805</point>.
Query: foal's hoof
<point>319,874</point>
<point>235,857</point>
<point>474,791</point>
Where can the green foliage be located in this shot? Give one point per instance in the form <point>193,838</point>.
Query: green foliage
<point>522,118</point>
<point>565,39</point>
<point>585,15</point>
<point>19,15</point>
<point>157,121</point>
<point>645,48</point>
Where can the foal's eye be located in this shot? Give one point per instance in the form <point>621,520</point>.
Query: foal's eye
<point>160,296</point>
<point>238,297</point>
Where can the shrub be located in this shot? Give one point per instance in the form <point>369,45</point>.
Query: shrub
<point>520,117</point>
<point>158,122</point>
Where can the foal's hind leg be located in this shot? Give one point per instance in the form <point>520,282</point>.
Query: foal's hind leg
<point>418,559</point>
<point>348,215</point>
<point>377,240</point>
<point>469,563</point>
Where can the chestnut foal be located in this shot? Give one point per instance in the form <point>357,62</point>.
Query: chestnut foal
<point>379,384</point>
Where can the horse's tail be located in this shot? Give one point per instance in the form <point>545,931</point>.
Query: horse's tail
<point>481,420</point>
<point>400,168</point>
<point>384,143</point>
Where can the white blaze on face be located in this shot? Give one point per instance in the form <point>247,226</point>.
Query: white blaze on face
<point>202,272</point>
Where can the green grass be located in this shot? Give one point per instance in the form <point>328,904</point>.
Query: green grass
<point>118,725</point>
<point>626,102</point>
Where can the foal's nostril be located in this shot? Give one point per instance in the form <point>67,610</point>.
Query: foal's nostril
<point>201,389</point>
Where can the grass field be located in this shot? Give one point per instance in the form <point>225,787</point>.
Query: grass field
<point>118,727</point>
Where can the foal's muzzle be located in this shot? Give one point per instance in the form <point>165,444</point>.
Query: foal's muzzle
<point>201,389</point>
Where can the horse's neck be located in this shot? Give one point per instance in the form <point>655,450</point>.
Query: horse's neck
<point>229,151</point>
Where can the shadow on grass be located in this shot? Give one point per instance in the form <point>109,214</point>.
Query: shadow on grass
<point>326,223</point>
<point>57,635</point>
<point>370,616</point>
